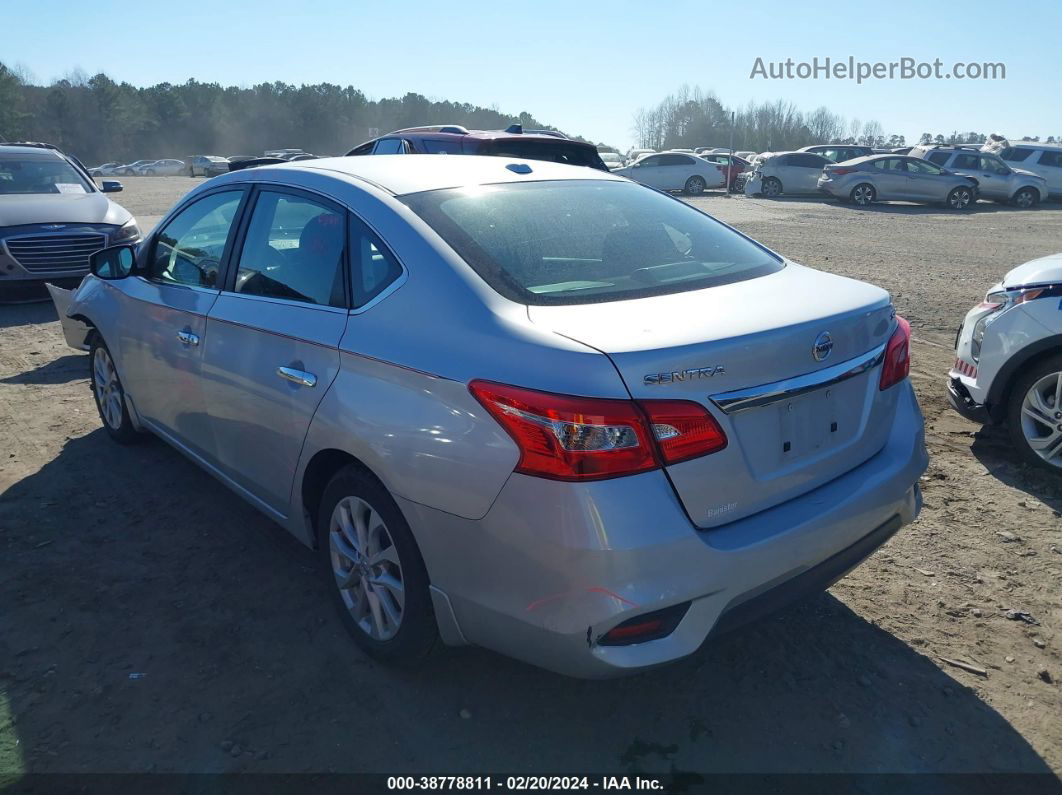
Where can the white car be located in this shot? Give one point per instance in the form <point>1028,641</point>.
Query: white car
<point>675,171</point>
<point>635,154</point>
<point>775,173</point>
<point>1008,361</point>
<point>1042,159</point>
<point>613,160</point>
<point>163,168</point>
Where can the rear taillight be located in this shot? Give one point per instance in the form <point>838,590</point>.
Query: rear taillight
<point>840,172</point>
<point>564,437</point>
<point>683,429</point>
<point>897,364</point>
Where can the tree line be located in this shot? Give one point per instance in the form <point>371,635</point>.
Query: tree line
<point>692,117</point>
<point>98,120</point>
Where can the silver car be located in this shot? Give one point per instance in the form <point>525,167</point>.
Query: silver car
<point>52,217</point>
<point>866,180</point>
<point>995,179</point>
<point>524,405</point>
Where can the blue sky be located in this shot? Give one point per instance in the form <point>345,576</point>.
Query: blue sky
<point>584,67</point>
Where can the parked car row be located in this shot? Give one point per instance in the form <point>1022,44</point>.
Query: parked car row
<point>140,168</point>
<point>781,423</point>
<point>954,176</point>
<point>671,430</point>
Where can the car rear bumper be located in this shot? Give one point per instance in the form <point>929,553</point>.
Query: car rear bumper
<point>553,567</point>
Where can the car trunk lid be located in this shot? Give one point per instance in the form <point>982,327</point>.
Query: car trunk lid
<point>794,418</point>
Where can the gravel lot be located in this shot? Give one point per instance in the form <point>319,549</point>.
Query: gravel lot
<point>132,561</point>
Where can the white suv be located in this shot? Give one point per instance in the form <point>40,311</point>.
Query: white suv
<point>1008,365</point>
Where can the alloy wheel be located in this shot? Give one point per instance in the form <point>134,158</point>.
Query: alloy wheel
<point>1024,199</point>
<point>108,388</point>
<point>366,568</point>
<point>863,194</point>
<point>960,198</point>
<point>1041,418</point>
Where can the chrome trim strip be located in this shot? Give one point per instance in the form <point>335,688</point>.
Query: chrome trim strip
<point>764,395</point>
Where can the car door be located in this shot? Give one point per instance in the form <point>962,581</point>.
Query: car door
<point>925,181</point>
<point>889,178</point>
<point>161,331</point>
<point>803,171</point>
<point>273,339</point>
<point>649,171</point>
<point>993,178</point>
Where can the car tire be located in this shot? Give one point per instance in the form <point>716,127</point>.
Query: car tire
<point>694,186</point>
<point>149,172</point>
<point>359,522</point>
<point>109,394</point>
<point>771,187</point>
<point>1035,424</point>
<point>1026,198</point>
<point>960,198</point>
<point>863,194</point>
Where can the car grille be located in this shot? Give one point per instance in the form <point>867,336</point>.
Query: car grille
<point>53,253</point>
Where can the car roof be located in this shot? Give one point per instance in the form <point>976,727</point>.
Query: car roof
<point>401,174</point>
<point>39,151</point>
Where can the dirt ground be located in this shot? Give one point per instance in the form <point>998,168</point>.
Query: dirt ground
<point>151,621</point>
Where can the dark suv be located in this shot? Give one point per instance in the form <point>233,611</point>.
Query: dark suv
<point>514,141</point>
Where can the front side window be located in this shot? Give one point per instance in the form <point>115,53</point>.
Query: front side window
<point>994,166</point>
<point>915,166</point>
<point>967,161</point>
<point>940,158</point>
<point>576,242</point>
<point>189,248</point>
<point>293,250</point>
<point>39,173</point>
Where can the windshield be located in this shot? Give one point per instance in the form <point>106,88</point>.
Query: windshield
<point>576,242</point>
<point>610,157</point>
<point>43,173</point>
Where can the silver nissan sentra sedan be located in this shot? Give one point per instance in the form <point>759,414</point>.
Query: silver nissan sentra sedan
<point>523,405</point>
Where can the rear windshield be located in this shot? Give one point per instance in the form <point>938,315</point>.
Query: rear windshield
<point>556,151</point>
<point>40,174</point>
<point>578,242</point>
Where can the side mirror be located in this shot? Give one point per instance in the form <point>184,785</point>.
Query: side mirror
<point>115,262</point>
<point>945,172</point>
<point>111,186</point>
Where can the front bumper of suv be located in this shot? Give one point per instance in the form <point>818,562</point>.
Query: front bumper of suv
<point>553,566</point>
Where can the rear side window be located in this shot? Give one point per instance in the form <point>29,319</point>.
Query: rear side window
<point>1014,154</point>
<point>556,151</point>
<point>1051,159</point>
<point>373,268</point>
<point>807,160</point>
<point>940,158</point>
<point>293,250</point>
<point>441,147</point>
<point>888,164</point>
<point>674,160</point>
<point>586,241</point>
<point>966,161</point>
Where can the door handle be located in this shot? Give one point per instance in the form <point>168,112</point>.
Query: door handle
<point>188,338</point>
<point>297,376</point>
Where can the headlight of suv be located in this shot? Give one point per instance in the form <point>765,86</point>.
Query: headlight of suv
<point>129,233</point>
<point>995,305</point>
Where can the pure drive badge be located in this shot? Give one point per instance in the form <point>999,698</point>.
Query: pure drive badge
<point>691,374</point>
